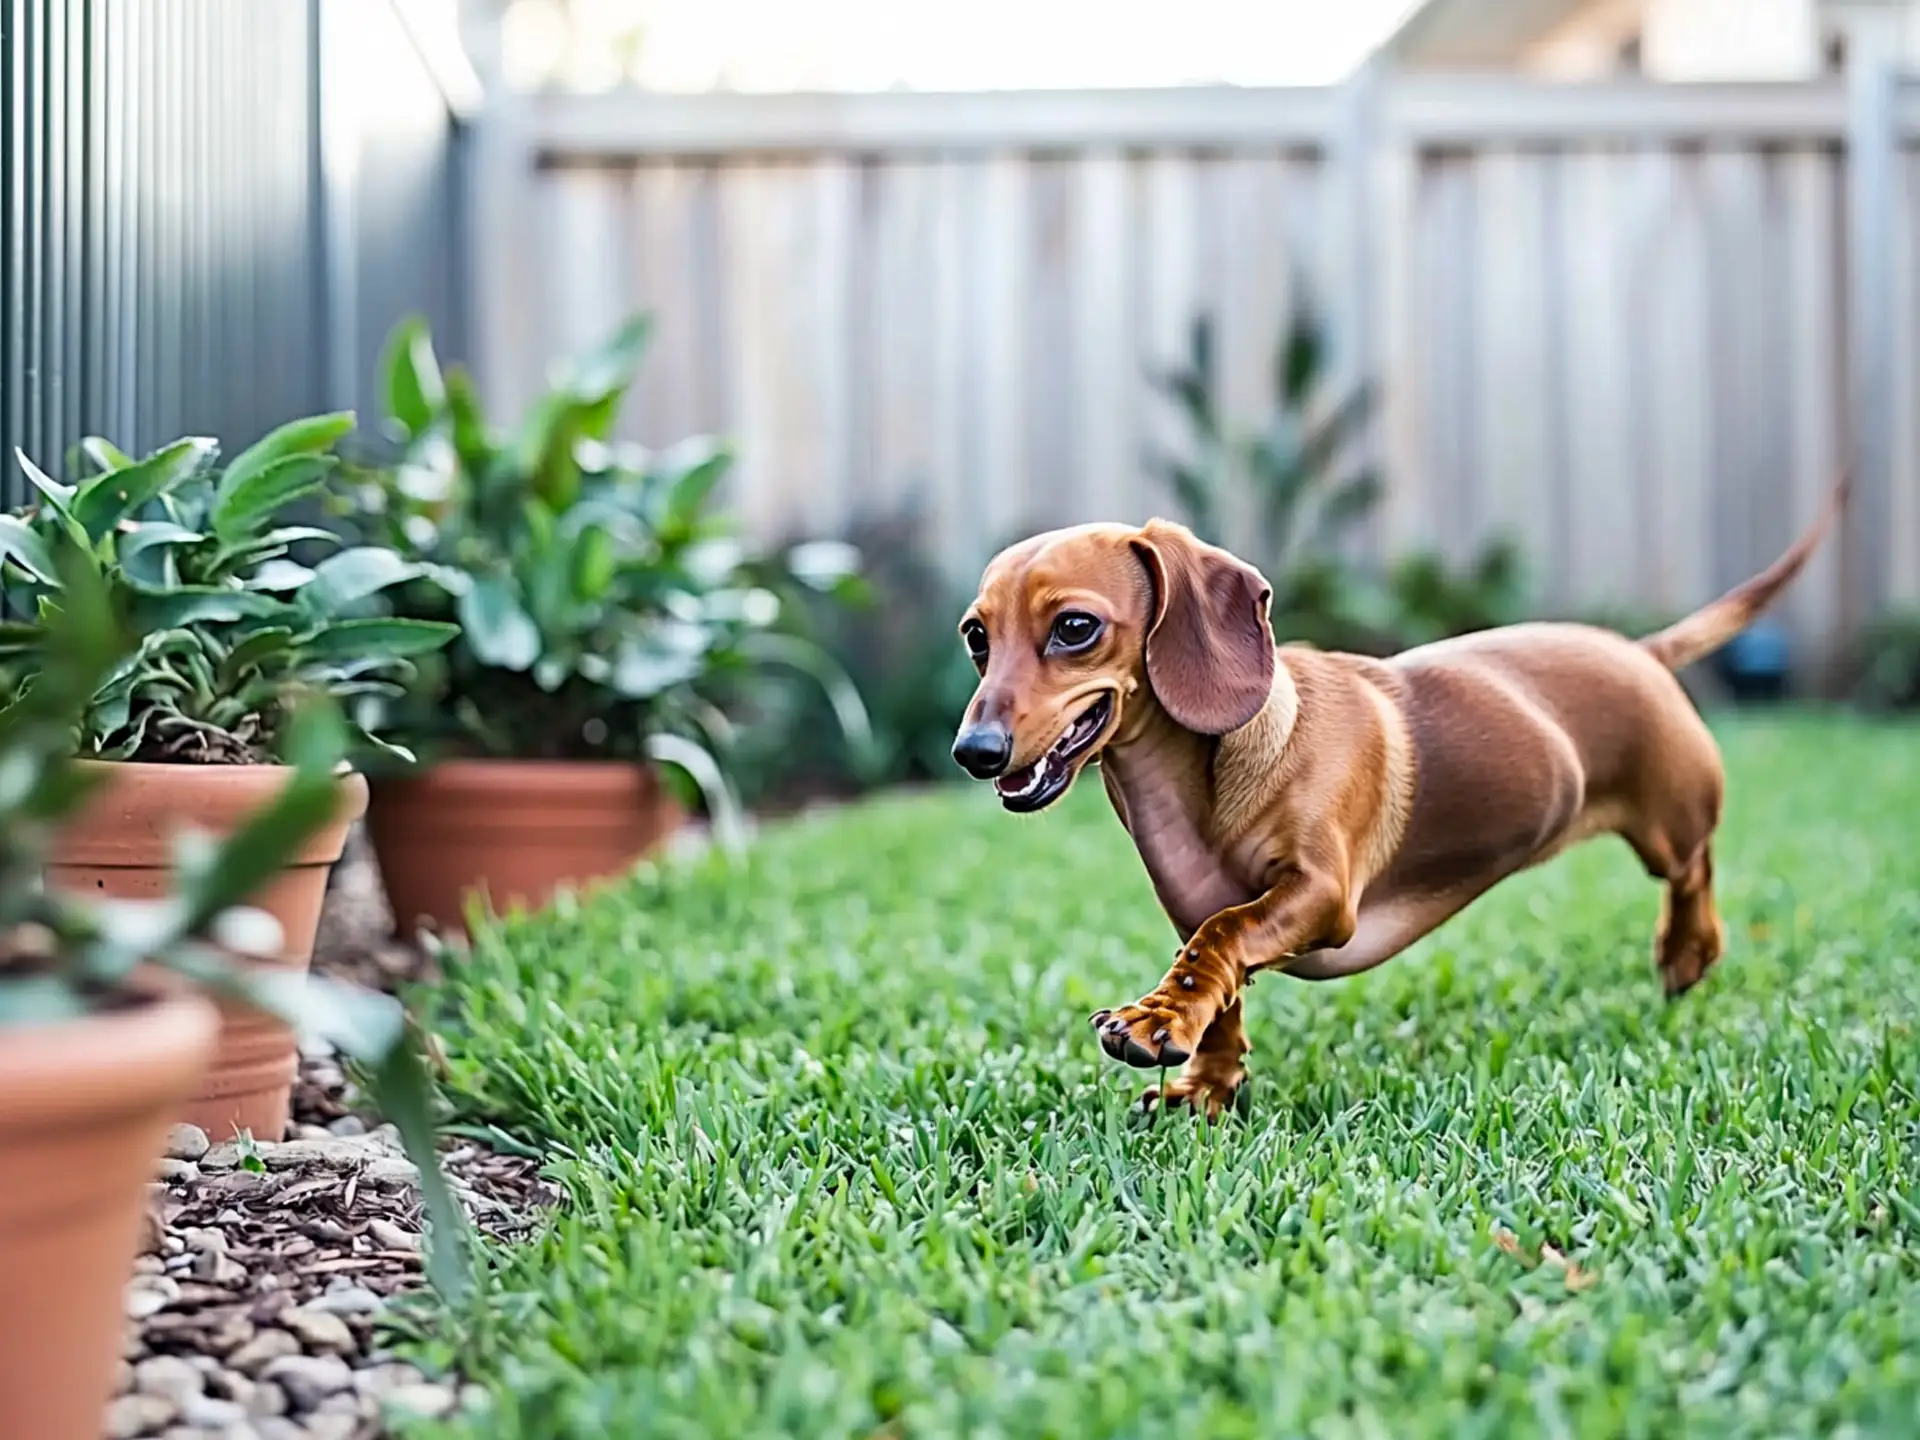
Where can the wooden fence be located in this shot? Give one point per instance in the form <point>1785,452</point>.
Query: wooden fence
<point>1635,327</point>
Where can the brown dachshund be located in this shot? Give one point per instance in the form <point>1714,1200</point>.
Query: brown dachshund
<point>1315,812</point>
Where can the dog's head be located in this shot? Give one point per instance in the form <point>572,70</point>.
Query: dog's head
<point>1075,630</point>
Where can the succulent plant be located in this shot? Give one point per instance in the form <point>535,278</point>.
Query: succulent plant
<point>233,632</point>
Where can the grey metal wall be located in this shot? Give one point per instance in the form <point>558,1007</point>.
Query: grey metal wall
<point>198,233</point>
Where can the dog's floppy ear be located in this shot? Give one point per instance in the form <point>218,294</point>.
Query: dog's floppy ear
<point>1210,641</point>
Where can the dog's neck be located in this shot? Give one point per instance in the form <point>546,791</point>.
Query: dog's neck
<point>1168,786</point>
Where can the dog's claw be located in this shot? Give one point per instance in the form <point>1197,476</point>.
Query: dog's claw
<point>1172,1055</point>
<point>1099,1018</point>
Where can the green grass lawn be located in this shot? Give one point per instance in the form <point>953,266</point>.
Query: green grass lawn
<point>843,1157</point>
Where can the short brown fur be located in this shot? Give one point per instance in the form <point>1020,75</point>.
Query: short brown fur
<point>1318,813</point>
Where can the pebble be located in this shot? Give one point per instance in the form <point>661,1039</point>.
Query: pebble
<point>320,1330</point>
<point>274,1428</point>
<point>232,1385</point>
<point>135,1415</point>
<point>149,1265</point>
<point>178,1172</point>
<point>348,1126</point>
<point>309,1379</point>
<point>170,1377</point>
<point>221,1157</point>
<point>427,1401</point>
<point>187,1142</point>
<point>191,1432</point>
<point>382,1379</point>
<point>261,1351</point>
<point>149,1295</point>
<point>213,1414</point>
<point>392,1172</point>
<point>268,1402</point>
<point>310,1132</point>
<point>355,1300</point>
<point>331,1427</point>
<point>390,1236</point>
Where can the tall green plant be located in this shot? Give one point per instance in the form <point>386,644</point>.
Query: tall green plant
<point>1307,487</point>
<point>606,608</point>
<point>234,633</point>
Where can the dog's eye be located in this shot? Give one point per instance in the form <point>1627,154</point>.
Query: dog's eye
<point>1074,630</point>
<point>975,634</point>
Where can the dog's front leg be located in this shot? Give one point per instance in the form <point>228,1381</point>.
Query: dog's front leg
<point>1305,910</point>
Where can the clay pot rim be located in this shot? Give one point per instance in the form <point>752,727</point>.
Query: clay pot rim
<point>159,799</point>
<point>565,778</point>
<point>128,1055</point>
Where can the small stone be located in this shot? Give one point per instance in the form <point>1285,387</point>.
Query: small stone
<point>232,1385</point>
<point>218,1268</point>
<point>212,1414</point>
<point>392,1172</point>
<point>190,1432</point>
<point>274,1428</point>
<point>388,1134</point>
<point>203,1240</point>
<point>320,1330</point>
<point>133,1342</point>
<point>149,1295</point>
<point>350,1402</point>
<point>221,1157</point>
<point>311,1132</point>
<point>170,1377</point>
<point>233,1332</point>
<point>390,1236</point>
<point>178,1264</point>
<point>261,1351</point>
<point>173,1245</point>
<point>178,1172</point>
<point>348,1126</point>
<point>327,1153</point>
<point>332,1427</point>
<point>383,1379</point>
<point>153,1226</point>
<point>309,1379</point>
<point>149,1265</point>
<point>426,1401</point>
<point>268,1401</point>
<point>187,1142</point>
<point>134,1415</point>
<point>355,1300</point>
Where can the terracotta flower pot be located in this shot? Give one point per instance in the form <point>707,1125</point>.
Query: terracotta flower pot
<point>121,846</point>
<point>84,1112</point>
<point>516,830</point>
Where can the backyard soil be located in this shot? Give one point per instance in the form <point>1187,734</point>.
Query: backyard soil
<point>253,1313</point>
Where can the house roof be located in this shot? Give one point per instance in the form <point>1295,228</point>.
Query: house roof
<point>1476,32</point>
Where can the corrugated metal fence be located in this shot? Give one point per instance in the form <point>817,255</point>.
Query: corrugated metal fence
<point>188,242</point>
<point>1634,326</point>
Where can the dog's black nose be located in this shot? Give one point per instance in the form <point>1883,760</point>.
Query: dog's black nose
<point>984,750</point>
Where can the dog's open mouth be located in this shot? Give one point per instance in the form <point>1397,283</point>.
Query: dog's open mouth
<point>1036,786</point>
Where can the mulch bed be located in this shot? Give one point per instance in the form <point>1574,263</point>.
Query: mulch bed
<point>252,1313</point>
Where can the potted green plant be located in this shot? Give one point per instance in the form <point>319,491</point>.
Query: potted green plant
<point>190,727</point>
<point>104,1027</point>
<point>607,617</point>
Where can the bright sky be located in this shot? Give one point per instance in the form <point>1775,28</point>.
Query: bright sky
<point>957,45</point>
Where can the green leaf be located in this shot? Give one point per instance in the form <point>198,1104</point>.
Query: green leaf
<point>279,576</point>
<point>594,564</point>
<point>57,495</point>
<point>105,454</point>
<point>809,659</point>
<point>38,1000</point>
<point>402,1090</point>
<point>23,546</point>
<point>254,650</point>
<point>315,435</point>
<point>723,807</point>
<point>497,629</point>
<point>352,575</point>
<point>641,671</point>
<point>199,604</point>
<point>610,369</point>
<point>394,639</point>
<point>470,440</point>
<point>239,510</point>
<point>107,499</point>
<point>1301,360</point>
<point>416,393</point>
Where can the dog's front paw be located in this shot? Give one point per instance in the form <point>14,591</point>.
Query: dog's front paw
<point>1210,1093</point>
<point>1150,1035</point>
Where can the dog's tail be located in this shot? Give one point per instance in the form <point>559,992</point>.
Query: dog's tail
<point>1712,626</point>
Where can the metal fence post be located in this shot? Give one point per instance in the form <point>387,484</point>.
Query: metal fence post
<point>1872,153</point>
